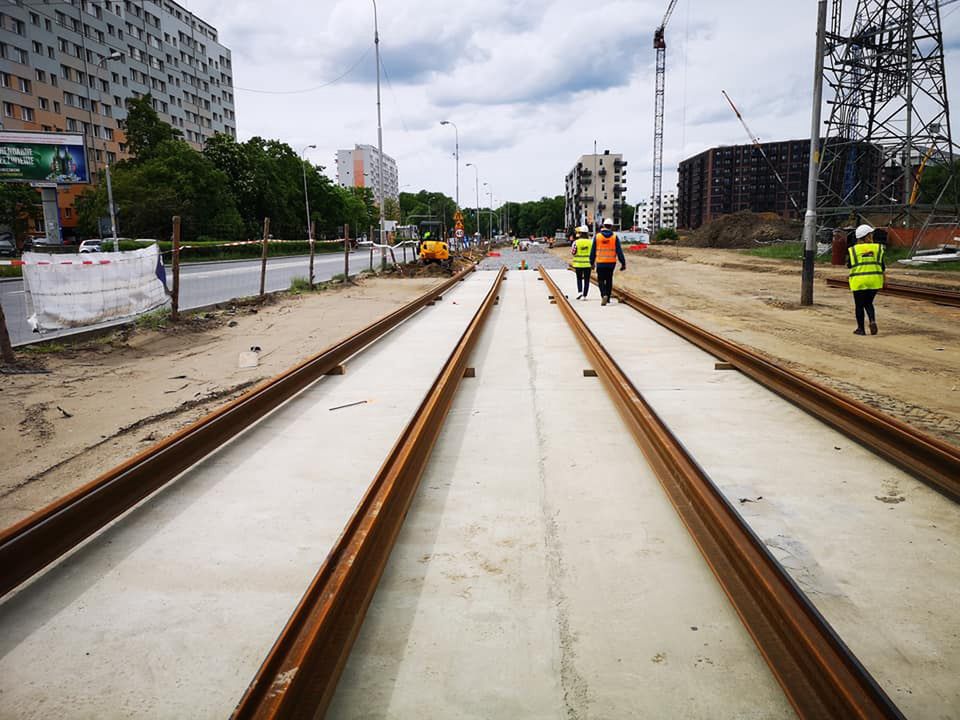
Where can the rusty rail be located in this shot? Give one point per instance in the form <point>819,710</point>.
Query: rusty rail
<point>299,676</point>
<point>818,673</point>
<point>32,544</point>
<point>913,292</point>
<point>927,458</point>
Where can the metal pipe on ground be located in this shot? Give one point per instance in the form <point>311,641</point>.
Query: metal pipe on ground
<point>819,675</point>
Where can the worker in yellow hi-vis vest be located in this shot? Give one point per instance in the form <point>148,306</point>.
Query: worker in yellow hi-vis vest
<point>580,249</point>
<point>865,260</point>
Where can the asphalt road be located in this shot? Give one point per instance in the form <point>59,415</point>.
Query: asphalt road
<point>200,285</point>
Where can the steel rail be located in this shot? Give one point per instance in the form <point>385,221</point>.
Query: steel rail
<point>819,675</point>
<point>300,674</point>
<point>913,292</point>
<point>32,544</point>
<point>927,458</point>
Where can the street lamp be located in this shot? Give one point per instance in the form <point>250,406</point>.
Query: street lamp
<point>306,196</point>
<point>456,131</point>
<point>376,43</point>
<point>490,201</point>
<point>115,55</point>
<point>477,187</point>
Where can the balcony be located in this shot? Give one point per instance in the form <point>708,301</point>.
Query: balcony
<point>602,172</point>
<point>619,163</point>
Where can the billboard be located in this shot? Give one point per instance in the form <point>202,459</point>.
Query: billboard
<point>43,158</point>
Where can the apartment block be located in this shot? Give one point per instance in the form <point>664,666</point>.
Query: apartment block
<point>643,213</point>
<point>731,178</point>
<point>360,167</point>
<point>596,187</point>
<point>71,67</point>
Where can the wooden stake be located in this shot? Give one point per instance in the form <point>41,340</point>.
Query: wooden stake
<point>175,299</point>
<point>346,253</point>
<point>263,257</point>
<point>6,349</point>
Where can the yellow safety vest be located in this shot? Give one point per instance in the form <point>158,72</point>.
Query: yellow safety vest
<point>581,256</point>
<point>866,270</point>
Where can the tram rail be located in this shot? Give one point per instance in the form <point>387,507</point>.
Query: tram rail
<point>939,296</point>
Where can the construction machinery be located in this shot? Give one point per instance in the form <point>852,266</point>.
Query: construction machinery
<point>433,245</point>
<point>660,45</point>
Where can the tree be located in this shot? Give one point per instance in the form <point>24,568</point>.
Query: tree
<point>173,179</point>
<point>145,131</point>
<point>391,209</point>
<point>19,204</point>
<point>932,184</point>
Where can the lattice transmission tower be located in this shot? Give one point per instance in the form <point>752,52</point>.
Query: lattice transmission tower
<point>889,117</point>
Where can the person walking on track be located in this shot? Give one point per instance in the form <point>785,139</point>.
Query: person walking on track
<point>580,249</point>
<point>605,252</point>
<point>865,260</point>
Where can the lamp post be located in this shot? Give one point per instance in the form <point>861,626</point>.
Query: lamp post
<point>477,187</point>
<point>456,131</point>
<point>115,55</point>
<point>490,201</point>
<point>306,195</point>
<point>376,43</point>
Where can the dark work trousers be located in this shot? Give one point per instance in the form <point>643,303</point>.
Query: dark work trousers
<point>583,280</point>
<point>605,278</point>
<point>863,299</point>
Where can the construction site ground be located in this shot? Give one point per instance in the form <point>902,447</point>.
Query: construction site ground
<point>909,370</point>
<point>104,400</point>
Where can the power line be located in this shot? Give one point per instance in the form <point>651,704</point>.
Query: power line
<point>314,88</point>
<point>393,94</point>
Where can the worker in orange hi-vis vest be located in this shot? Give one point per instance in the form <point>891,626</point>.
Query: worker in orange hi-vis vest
<point>604,254</point>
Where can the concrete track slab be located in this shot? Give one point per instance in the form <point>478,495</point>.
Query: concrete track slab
<point>877,551</point>
<point>542,572</point>
<point>170,611</point>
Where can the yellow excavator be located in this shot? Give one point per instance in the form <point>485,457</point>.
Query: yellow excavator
<point>433,248</point>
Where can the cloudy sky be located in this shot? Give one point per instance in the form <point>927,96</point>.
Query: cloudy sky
<point>531,84</point>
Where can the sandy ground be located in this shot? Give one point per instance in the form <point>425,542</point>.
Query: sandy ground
<point>114,396</point>
<point>911,370</point>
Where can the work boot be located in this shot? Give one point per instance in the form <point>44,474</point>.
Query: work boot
<point>603,300</point>
<point>579,296</point>
<point>859,331</point>
<point>873,328</point>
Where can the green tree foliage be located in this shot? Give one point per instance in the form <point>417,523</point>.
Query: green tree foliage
<point>932,183</point>
<point>145,131</point>
<point>664,234</point>
<point>627,213</point>
<point>537,217</point>
<point>19,203</point>
<point>391,209</point>
<point>173,179</point>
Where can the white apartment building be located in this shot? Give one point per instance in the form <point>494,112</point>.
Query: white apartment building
<point>360,168</point>
<point>643,215</point>
<point>597,185</point>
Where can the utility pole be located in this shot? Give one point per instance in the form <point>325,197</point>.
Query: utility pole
<point>477,188</point>
<point>116,55</point>
<point>376,43</point>
<point>813,173</point>
<point>456,153</point>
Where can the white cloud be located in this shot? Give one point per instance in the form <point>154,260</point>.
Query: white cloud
<point>530,84</point>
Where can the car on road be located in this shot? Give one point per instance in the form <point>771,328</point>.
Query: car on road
<point>90,246</point>
<point>8,248</point>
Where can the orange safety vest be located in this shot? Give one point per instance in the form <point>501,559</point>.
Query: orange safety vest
<point>606,249</point>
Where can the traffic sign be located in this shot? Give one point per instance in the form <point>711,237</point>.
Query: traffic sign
<point>459,232</point>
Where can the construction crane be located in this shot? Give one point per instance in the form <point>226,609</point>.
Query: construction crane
<point>660,45</point>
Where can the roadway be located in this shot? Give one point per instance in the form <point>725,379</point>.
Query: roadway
<point>201,284</point>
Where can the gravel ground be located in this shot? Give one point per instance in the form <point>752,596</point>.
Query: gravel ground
<point>537,255</point>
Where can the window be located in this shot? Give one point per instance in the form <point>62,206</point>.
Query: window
<point>26,113</point>
<point>44,103</point>
<point>8,109</point>
<point>38,47</point>
<point>34,19</point>
<point>53,80</point>
<point>4,80</point>
<point>24,85</point>
<point>41,76</point>
<point>56,107</point>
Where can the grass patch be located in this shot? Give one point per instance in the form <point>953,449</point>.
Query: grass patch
<point>156,320</point>
<point>299,285</point>
<point>11,271</point>
<point>47,348</point>
<point>783,251</point>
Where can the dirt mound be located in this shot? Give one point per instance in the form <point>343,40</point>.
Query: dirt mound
<point>744,230</point>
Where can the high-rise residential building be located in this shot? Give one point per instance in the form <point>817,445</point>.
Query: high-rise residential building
<point>596,186</point>
<point>643,213</point>
<point>360,168</point>
<point>731,178</point>
<point>72,66</point>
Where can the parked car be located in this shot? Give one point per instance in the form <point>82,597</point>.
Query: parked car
<point>90,246</point>
<point>8,248</point>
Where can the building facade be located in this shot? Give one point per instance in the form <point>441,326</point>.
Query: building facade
<point>595,188</point>
<point>72,66</point>
<point>731,178</point>
<point>643,213</point>
<point>360,167</point>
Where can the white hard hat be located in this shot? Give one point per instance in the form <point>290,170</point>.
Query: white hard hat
<point>582,229</point>
<point>862,231</point>
<point>607,222</point>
